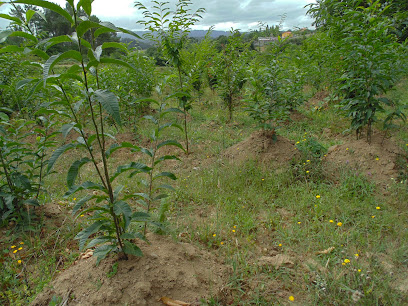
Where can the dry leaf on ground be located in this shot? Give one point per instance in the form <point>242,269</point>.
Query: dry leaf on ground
<point>170,302</point>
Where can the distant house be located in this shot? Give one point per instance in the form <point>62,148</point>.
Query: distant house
<point>263,41</point>
<point>287,34</point>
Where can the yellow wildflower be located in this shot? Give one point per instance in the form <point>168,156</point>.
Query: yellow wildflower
<point>280,244</point>
<point>291,298</point>
<point>331,221</point>
<point>318,196</point>
<point>214,235</point>
<point>347,260</point>
<point>19,261</point>
<point>13,246</point>
<point>20,248</point>
<point>378,208</point>
<point>339,224</point>
<point>15,251</point>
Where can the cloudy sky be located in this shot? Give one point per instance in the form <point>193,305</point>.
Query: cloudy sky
<point>223,14</point>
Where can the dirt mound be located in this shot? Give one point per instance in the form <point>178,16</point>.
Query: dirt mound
<point>178,271</point>
<point>376,160</point>
<point>260,145</point>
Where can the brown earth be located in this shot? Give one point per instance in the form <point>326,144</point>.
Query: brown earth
<point>179,271</point>
<point>377,161</point>
<point>260,145</point>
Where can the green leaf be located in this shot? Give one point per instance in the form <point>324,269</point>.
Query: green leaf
<point>122,207</point>
<point>164,186</point>
<point>29,15</point>
<point>141,217</point>
<point>66,128</point>
<point>11,49</point>
<point>116,147</point>
<point>161,196</point>
<point>139,167</point>
<point>86,5</point>
<point>12,18</point>
<point>20,84</point>
<point>53,60</point>
<point>48,43</point>
<point>165,174</point>
<point>84,186</point>
<point>151,118</point>
<point>102,251</point>
<point>110,103</point>
<point>57,153</point>
<point>85,26</point>
<point>170,143</point>
<point>100,240</point>
<point>74,169</point>
<point>24,35</point>
<point>166,157</point>
<point>111,26</point>
<point>40,54</point>
<point>117,62</point>
<point>48,5</point>
<point>114,45</point>
<point>132,249</point>
<point>4,35</point>
<point>83,235</point>
<point>81,202</point>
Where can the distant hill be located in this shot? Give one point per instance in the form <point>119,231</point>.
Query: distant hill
<point>194,33</point>
<point>145,44</point>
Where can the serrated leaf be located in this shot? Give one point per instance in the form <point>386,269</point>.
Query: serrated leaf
<point>12,18</point>
<point>99,240</point>
<point>122,207</point>
<point>86,5</point>
<point>66,128</point>
<point>81,202</point>
<point>48,5</point>
<point>132,166</point>
<point>170,143</point>
<point>53,60</point>
<point>102,251</point>
<point>166,157</point>
<point>165,174</point>
<point>116,147</point>
<point>88,185</point>
<point>74,170</point>
<point>4,35</point>
<point>24,35</point>
<point>114,45</point>
<point>83,235</point>
<point>110,103</point>
<point>57,153</point>
<point>97,53</point>
<point>11,49</point>
<point>132,249</point>
<point>117,62</point>
<point>85,26</point>
<point>141,217</point>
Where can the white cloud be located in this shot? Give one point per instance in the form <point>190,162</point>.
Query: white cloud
<point>223,14</point>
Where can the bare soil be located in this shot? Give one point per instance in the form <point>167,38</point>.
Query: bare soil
<point>377,161</point>
<point>261,146</point>
<point>178,271</point>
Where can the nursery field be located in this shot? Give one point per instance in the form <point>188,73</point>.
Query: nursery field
<point>209,173</point>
